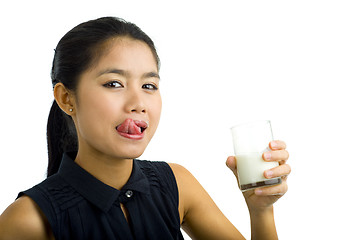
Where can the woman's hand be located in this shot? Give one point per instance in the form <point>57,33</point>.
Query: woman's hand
<point>262,198</point>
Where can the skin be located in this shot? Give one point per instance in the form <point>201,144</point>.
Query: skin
<point>124,84</point>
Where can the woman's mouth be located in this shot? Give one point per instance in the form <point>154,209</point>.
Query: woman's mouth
<point>132,129</point>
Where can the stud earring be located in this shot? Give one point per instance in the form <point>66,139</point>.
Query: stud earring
<point>71,110</point>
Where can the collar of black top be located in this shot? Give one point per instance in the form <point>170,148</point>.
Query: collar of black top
<point>95,191</point>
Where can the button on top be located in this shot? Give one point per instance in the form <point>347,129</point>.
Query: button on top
<point>129,193</point>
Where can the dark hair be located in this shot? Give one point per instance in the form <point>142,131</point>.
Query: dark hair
<point>78,50</point>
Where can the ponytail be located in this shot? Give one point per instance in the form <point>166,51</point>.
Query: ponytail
<point>61,136</point>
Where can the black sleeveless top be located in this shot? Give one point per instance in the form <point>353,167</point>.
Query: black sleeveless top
<point>78,206</point>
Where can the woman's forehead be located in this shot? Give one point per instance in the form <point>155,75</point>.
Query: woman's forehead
<point>124,56</point>
<point>125,52</point>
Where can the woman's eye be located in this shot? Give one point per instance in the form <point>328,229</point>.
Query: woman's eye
<point>113,84</point>
<point>150,86</point>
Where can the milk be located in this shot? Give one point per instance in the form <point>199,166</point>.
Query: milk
<point>250,169</point>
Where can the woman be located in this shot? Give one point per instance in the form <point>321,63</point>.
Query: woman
<point>106,110</point>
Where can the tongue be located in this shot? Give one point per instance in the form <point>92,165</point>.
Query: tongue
<point>129,127</point>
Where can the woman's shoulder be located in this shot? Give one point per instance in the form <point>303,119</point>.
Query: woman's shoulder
<point>159,169</point>
<point>184,178</point>
<point>199,215</point>
<point>23,219</point>
<point>188,187</point>
<point>179,170</point>
<point>163,166</point>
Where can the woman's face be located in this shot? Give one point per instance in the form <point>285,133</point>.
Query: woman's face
<point>118,102</point>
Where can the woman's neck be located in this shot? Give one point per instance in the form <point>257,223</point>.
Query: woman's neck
<point>114,172</point>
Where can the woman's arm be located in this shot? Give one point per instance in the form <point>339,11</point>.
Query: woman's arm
<point>24,220</point>
<point>260,201</point>
<point>202,219</point>
<point>199,215</point>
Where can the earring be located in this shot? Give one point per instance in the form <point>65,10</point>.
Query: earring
<point>71,110</point>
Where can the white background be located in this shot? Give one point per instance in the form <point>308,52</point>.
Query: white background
<point>296,63</point>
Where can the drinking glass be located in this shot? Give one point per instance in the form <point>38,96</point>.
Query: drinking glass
<point>250,141</point>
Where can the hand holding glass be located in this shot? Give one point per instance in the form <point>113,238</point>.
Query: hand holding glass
<point>250,141</point>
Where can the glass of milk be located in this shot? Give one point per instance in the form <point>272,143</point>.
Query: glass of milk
<point>250,141</point>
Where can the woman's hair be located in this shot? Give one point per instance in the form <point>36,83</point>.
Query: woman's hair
<point>76,52</point>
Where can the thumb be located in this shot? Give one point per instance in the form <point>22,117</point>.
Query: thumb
<point>232,164</point>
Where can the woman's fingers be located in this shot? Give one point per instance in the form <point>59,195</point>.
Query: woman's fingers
<point>281,171</point>
<point>280,156</point>
<point>277,145</point>
<point>276,190</point>
<point>276,155</point>
<point>232,164</point>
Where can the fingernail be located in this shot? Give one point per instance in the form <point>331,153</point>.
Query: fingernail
<point>269,174</point>
<point>258,191</point>
<point>267,155</point>
<point>273,145</point>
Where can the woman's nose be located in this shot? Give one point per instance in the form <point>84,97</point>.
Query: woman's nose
<point>135,103</point>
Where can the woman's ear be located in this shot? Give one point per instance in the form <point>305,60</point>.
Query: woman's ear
<point>64,98</point>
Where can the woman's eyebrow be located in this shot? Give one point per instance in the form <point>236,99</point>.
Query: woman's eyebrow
<point>151,75</point>
<point>113,70</point>
<point>126,73</point>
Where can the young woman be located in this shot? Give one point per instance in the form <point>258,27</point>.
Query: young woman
<point>106,110</point>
